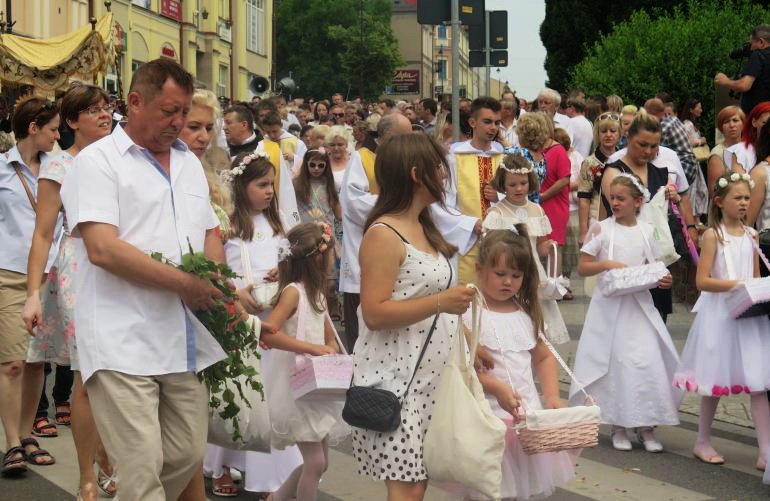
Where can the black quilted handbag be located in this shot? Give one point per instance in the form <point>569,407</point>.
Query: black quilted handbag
<point>377,409</point>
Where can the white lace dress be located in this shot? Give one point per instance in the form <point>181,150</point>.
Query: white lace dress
<point>386,359</point>
<point>502,217</point>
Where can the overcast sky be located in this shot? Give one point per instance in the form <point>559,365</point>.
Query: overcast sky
<point>526,54</point>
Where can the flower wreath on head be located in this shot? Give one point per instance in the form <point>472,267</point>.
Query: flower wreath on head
<point>638,184</point>
<point>736,178</point>
<point>320,150</point>
<point>516,150</point>
<point>285,250</point>
<point>229,175</point>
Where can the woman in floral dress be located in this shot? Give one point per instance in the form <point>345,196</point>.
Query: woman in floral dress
<point>49,313</point>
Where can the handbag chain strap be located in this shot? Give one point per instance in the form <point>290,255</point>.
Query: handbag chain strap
<point>31,197</point>
<point>430,334</point>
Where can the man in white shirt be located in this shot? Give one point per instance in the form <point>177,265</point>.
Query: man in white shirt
<point>137,191</point>
<point>548,101</point>
<point>582,130</point>
<point>357,197</point>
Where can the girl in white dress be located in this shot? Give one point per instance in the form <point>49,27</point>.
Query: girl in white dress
<point>625,356</point>
<point>516,178</point>
<point>723,355</point>
<point>306,328</point>
<point>405,273</point>
<point>257,223</point>
<point>508,279</point>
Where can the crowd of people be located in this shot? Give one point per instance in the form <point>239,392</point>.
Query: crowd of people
<point>371,218</point>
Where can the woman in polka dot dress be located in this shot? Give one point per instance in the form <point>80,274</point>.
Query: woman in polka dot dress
<point>405,275</point>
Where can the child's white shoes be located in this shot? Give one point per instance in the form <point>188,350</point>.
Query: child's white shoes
<point>620,439</point>
<point>647,438</point>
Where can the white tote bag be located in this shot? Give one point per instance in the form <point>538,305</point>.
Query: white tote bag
<point>254,421</point>
<point>465,440</point>
<point>655,212</point>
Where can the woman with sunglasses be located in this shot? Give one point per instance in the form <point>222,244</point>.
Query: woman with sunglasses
<point>36,127</point>
<point>607,131</point>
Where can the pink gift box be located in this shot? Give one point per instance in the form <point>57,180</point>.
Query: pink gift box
<point>321,378</point>
<point>750,298</point>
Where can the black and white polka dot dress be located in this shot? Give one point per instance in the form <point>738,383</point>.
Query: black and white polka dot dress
<point>386,359</point>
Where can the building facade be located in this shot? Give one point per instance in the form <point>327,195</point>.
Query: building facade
<point>224,43</point>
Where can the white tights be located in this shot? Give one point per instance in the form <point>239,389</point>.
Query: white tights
<point>303,482</point>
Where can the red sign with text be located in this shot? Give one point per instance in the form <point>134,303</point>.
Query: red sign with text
<point>172,9</point>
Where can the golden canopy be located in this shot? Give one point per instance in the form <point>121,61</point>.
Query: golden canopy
<point>49,64</point>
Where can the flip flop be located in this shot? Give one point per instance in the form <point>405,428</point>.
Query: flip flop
<point>715,459</point>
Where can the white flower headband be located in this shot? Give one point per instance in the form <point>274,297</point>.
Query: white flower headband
<point>229,175</point>
<point>638,184</point>
<point>736,178</point>
<point>527,155</point>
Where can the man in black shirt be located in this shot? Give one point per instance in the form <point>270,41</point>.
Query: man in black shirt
<point>754,83</point>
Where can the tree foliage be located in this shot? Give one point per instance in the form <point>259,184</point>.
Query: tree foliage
<point>344,46</point>
<point>679,52</point>
<point>572,26</point>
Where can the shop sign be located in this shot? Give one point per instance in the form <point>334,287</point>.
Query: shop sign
<point>167,50</point>
<point>171,9</point>
<point>406,82</point>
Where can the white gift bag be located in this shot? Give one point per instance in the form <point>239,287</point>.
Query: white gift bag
<point>655,212</point>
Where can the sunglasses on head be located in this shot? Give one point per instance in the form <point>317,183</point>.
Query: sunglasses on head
<point>610,116</point>
<point>316,165</point>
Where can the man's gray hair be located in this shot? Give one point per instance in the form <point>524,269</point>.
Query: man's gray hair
<point>387,125</point>
<point>761,32</point>
<point>551,95</point>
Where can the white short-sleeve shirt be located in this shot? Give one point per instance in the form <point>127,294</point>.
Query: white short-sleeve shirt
<point>123,326</point>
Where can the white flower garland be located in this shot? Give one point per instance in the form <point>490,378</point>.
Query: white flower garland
<point>736,178</point>
<point>227,176</point>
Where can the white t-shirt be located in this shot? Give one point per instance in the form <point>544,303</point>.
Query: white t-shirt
<point>583,134</point>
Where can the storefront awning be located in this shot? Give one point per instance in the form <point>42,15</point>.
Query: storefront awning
<point>49,64</point>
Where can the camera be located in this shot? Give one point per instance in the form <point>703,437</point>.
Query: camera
<point>741,52</point>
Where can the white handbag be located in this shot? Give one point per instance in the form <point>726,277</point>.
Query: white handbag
<point>465,440</point>
<point>631,279</point>
<point>264,293</point>
<point>655,212</point>
<point>253,418</point>
<point>554,287</point>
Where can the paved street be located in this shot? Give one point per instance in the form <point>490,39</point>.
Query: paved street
<point>602,473</point>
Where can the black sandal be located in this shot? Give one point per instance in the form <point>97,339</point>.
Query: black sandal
<point>13,466</point>
<point>42,424</point>
<point>31,458</point>
<point>63,418</point>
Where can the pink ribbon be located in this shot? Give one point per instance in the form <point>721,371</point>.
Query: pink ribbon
<point>690,244</point>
